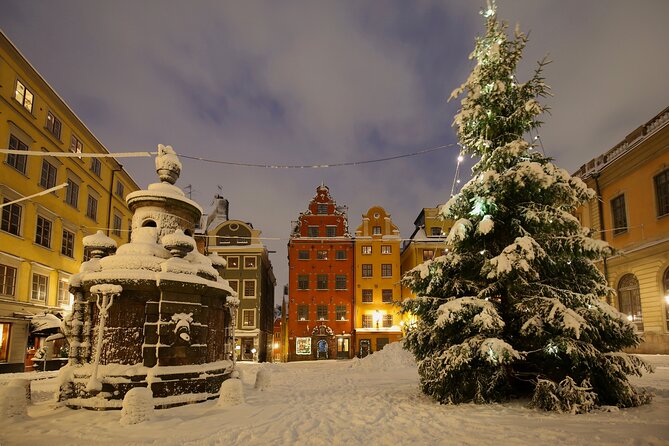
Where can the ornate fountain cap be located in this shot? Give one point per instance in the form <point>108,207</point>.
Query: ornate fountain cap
<point>168,166</point>
<point>99,245</point>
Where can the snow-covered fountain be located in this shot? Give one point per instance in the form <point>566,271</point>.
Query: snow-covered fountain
<point>155,313</point>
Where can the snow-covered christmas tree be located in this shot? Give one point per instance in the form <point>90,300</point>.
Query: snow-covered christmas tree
<point>516,307</point>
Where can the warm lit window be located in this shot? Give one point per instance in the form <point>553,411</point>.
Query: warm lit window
<point>303,282</point>
<point>386,270</point>
<point>24,96</point>
<point>249,288</point>
<point>43,232</point>
<point>340,282</point>
<point>303,312</point>
<point>248,318</point>
<point>96,166</point>
<point>367,321</point>
<point>48,176</point>
<point>322,255</point>
<point>341,312</point>
<point>366,249</point>
<point>376,230</point>
<point>367,270</point>
<point>322,312</point>
<point>619,214</point>
<point>11,218</point>
<point>40,288</point>
<point>665,282</point>
<point>18,162</point>
<point>303,255</point>
<point>64,296</point>
<point>387,296</point>
<point>117,225</point>
<point>313,231</point>
<point>233,262</point>
<point>322,282</point>
<point>662,193</point>
<point>322,208</point>
<point>53,124</point>
<point>4,341</point>
<point>92,207</point>
<point>428,254</point>
<point>7,280</point>
<point>76,146</point>
<point>249,262</point>
<point>67,244</point>
<point>120,189</point>
<point>367,296</point>
<point>330,231</point>
<point>386,249</point>
<point>72,193</point>
<point>387,320</point>
<point>629,299</point>
<point>340,254</point>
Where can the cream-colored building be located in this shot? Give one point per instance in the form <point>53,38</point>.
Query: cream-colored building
<point>631,212</point>
<point>40,237</point>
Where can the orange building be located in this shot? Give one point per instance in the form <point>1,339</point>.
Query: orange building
<point>377,278</point>
<point>320,259</point>
<point>631,212</point>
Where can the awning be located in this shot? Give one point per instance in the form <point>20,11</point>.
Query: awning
<point>44,323</point>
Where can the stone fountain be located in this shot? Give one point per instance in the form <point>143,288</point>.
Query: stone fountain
<point>153,313</point>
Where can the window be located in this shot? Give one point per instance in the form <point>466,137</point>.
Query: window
<point>67,244</point>
<point>249,288</point>
<point>40,289</point>
<point>117,225</point>
<point>72,193</point>
<point>387,296</point>
<point>7,280</point>
<point>330,231</point>
<point>92,207</point>
<point>367,249</point>
<point>24,96</point>
<point>662,193</point>
<point>386,249</point>
<point>120,189</point>
<point>367,296</point>
<point>53,124</point>
<point>322,282</point>
<point>340,312</point>
<point>303,282</point>
<point>340,254</point>
<point>367,321</point>
<point>4,341</point>
<point>64,296</point>
<point>435,231</point>
<point>234,284</point>
<point>322,312</point>
<point>387,320</point>
<point>428,254</point>
<point>629,299</point>
<point>619,215</point>
<point>96,166</point>
<point>303,312</point>
<point>250,262</point>
<point>18,162</point>
<point>233,262</point>
<point>381,343</point>
<point>303,255</point>
<point>322,255</point>
<point>11,218</point>
<point>386,270</point>
<point>665,282</point>
<point>366,270</point>
<point>376,230</point>
<point>48,177</point>
<point>322,208</point>
<point>340,282</point>
<point>76,146</point>
<point>43,232</point>
<point>248,318</point>
<point>313,231</point>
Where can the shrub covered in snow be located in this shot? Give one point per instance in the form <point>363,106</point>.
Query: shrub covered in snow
<point>232,393</point>
<point>14,399</point>
<point>137,406</point>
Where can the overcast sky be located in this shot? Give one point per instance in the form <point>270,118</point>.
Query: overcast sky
<point>315,82</point>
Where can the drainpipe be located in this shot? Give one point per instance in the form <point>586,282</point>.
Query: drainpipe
<point>111,200</point>
<point>600,208</point>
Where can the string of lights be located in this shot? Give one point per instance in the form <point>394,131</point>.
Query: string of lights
<point>44,192</point>
<point>77,154</point>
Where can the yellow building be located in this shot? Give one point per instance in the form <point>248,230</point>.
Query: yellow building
<point>377,277</point>
<point>631,212</point>
<point>426,242</point>
<point>40,238</point>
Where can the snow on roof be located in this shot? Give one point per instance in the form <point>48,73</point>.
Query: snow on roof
<point>44,321</point>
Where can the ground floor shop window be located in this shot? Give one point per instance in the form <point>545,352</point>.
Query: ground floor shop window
<point>4,341</point>
<point>629,299</point>
<point>303,346</point>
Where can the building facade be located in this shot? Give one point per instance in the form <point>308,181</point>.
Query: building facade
<point>249,272</point>
<point>377,282</point>
<point>40,237</point>
<point>321,282</point>
<point>631,212</point>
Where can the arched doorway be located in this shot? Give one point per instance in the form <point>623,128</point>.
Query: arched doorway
<point>629,299</point>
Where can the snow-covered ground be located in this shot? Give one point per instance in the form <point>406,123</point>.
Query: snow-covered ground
<point>375,401</point>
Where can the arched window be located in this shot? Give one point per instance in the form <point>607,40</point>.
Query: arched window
<point>629,299</point>
<point>665,282</point>
<point>149,223</point>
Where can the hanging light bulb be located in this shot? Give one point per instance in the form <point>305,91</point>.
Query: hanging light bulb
<point>460,158</point>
